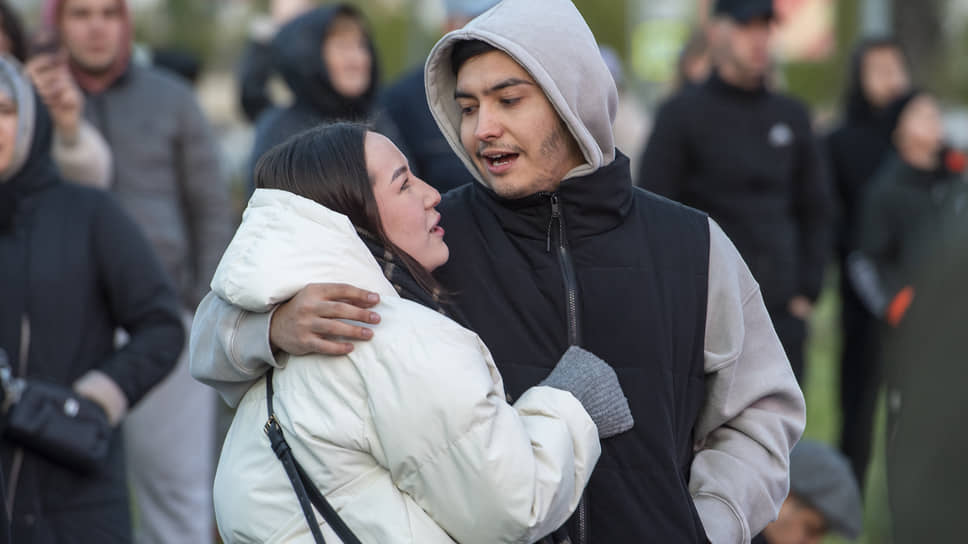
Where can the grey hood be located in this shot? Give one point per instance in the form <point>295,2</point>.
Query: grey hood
<point>15,84</point>
<point>549,39</point>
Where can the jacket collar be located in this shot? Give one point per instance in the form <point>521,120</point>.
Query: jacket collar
<point>720,86</point>
<point>591,204</point>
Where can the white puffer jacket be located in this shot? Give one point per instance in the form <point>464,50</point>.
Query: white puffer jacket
<point>409,436</point>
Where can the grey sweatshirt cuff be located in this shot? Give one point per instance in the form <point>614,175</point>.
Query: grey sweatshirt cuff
<point>594,383</point>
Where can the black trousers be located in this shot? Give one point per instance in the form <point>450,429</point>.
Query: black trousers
<point>860,378</point>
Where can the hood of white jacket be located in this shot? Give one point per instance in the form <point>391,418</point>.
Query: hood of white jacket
<point>549,39</point>
<point>286,242</point>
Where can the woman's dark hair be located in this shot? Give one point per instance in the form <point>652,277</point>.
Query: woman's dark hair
<point>327,164</point>
<point>12,28</point>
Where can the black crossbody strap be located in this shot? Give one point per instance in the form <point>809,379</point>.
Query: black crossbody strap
<point>307,493</point>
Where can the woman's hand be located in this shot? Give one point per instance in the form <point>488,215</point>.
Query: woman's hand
<point>310,321</point>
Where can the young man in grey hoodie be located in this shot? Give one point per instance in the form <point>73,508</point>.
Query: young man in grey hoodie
<point>554,247</point>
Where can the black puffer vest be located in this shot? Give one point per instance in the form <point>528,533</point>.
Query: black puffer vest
<point>624,274</point>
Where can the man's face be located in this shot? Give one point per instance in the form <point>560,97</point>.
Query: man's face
<point>92,31</point>
<point>797,523</point>
<point>884,76</point>
<point>510,129</point>
<point>745,46</point>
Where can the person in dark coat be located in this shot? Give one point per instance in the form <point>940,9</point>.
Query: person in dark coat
<point>75,269</point>
<point>338,85</point>
<point>747,156</point>
<point>878,76</point>
<point>908,214</point>
<point>406,103</point>
<point>908,208</point>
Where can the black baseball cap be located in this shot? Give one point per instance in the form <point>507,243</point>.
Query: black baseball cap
<point>744,11</point>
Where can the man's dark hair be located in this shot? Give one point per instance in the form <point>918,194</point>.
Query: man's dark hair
<point>328,165</point>
<point>466,50</point>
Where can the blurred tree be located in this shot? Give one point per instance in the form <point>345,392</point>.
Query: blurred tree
<point>822,83</point>
<point>607,21</point>
<point>918,26</point>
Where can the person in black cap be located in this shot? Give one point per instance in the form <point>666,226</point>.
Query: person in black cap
<point>824,498</point>
<point>747,156</point>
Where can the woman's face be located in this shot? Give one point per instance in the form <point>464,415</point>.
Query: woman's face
<point>347,57</point>
<point>920,127</point>
<point>8,130</point>
<point>884,76</point>
<point>406,203</point>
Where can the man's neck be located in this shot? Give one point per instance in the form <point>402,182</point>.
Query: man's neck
<point>732,75</point>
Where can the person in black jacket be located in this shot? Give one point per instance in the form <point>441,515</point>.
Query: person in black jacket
<point>406,103</point>
<point>75,270</point>
<point>878,76</point>
<point>907,212</point>
<point>327,58</point>
<point>747,156</point>
<point>551,247</point>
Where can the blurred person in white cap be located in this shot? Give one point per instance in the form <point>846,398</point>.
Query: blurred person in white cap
<point>824,498</point>
<point>405,102</point>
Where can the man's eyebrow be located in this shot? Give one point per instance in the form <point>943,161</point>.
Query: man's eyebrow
<point>397,173</point>
<point>510,82</point>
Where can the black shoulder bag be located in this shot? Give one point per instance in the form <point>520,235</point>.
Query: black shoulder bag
<point>307,493</point>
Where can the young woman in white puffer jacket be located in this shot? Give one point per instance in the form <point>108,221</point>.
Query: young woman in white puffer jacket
<point>410,436</point>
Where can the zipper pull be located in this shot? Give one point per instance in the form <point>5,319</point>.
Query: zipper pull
<point>555,214</point>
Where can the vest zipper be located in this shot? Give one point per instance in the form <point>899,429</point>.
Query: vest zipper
<point>567,270</point>
<point>574,331</point>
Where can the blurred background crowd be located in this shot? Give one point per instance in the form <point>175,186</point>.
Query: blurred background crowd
<point>885,83</point>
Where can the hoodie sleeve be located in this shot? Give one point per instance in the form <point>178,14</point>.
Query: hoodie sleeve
<point>664,159</point>
<point>468,458</point>
<point>754,411</point>
<point>813,208</point>
<point>204,193</point>
<point>143,303</point>
<point>229,347</point>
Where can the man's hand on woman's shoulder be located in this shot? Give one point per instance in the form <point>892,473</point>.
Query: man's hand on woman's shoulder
<point>311,321</point>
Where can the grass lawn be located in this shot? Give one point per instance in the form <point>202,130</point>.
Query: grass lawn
<point>823,414</point>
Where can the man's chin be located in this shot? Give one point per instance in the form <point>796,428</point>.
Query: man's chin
<point>95,67</point>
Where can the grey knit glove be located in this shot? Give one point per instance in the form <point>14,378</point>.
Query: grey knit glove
<point>593,382</point>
